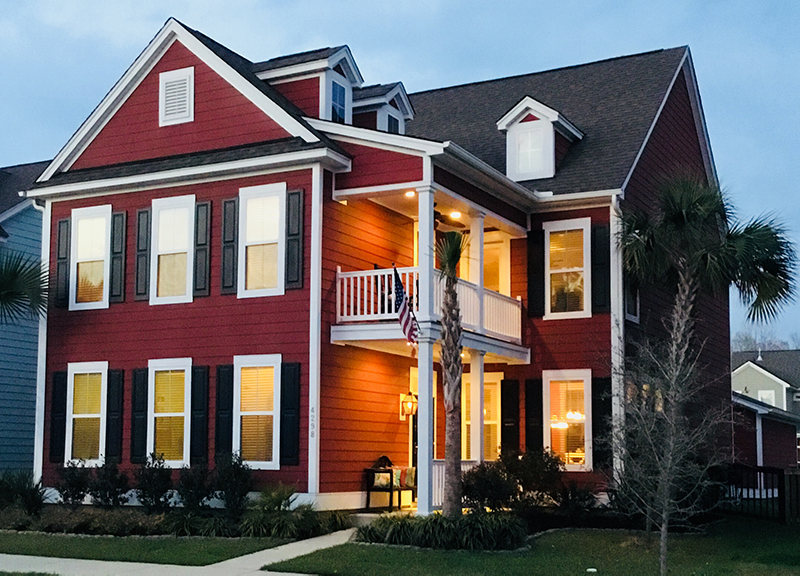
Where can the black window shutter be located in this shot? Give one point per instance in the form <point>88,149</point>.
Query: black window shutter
<point>116,284</point>
<point>294,239</point>
<point>62,264</point>
<point>601,422</point>
<point>58,417</point>
<point>198,446</point>
<point>509,412</point>
<point>223,443</point>
<point>534,439</point>
<point>139,416</point>
<point>230,248</point>
<point>142,291</point>
<point>202,248</point>
<point>536,273</point>
<point>601,269</point>
<point>114,405</point>
<point>290,414</point>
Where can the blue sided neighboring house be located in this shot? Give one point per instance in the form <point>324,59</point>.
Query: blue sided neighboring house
<point>20,230</point>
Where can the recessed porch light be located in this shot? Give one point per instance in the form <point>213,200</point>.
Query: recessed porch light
<point>410,194</point>
<point>455,215</point>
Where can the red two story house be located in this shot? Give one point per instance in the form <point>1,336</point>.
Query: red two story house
<point>221,236</point>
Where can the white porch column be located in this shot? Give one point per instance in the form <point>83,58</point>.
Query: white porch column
<point>476,264</point>
<point>476,404</point>
<point>425,430</point>
<point>426,252</point>
<point>759,440</point>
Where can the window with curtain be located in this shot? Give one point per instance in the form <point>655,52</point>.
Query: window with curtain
<point>567,398</point>
<point>173,242</point>
<point>91,233</point>
<point>256,407</point>
<point>567,277</point>
<point>262,222</point>
<point>86,399</point>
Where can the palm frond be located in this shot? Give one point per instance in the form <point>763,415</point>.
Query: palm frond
<point>23,287</point>
<point>449,249</point>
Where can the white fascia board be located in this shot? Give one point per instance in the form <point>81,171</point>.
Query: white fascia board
<point>528,103</point>
<point>763,409</point>
<point>369,137</point>
<point>328,157</point>
<point>762,371</point>
<point>354,74</point>
<point>125,86</point>
<point>14,210</point>
<point>548,197</point>
<point>511,228</point>
<point>377,101</point>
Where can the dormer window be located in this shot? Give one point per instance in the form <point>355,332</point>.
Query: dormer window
<point>530,128</point>
<point>392,124</point>
<point>176,97</point>
<point>338,103</point>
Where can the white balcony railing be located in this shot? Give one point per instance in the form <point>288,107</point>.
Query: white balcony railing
<point>437,473</point>
<point>368,295</point>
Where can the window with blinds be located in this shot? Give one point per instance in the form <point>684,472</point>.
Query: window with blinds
<point>491,416</point>
<point>262,238</point>
<point>169,385</point>
<point>176,97</point>
<point>256,409</point>
<point>91,239</point>
<point>567,407</point>
<point>172,261</point>
<point>86,400</point>
<point>567,265</point>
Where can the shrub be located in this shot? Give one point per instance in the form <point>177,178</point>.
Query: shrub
<point>19,488</point>
<point>538,473</point>
<point>273,514</point>
<point>154,484</point>
<point>488,485</point>
<point>195,488</point>
<point>185,524</point>
<point>74,483</point>
<point>575,500</point>
<point>474,531</point>
<point>109,486</point>
<point>233,482</point>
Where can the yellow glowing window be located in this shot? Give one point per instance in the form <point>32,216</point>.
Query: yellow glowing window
<point>568,420</point>
<point>262,227</point>
<point>257,410</point>
<point>87,392</point>
<point>173,251</point>
<point>169,401</point>
<point>566,271</point>
<point>90,253</point>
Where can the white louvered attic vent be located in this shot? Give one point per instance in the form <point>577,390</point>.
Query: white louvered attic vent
<point>176,97</point>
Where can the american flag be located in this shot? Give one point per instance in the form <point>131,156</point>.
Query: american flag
<point>404,314</point>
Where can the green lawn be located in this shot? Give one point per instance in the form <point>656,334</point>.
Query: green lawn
<point>156,549</point>
<point>732,547</point>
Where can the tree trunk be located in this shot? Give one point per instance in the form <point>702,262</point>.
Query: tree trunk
<point>662,552</point>
<point>451,506</point>
<point>451,362</point>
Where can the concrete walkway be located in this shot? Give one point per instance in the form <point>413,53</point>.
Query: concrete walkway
<point>249,564</point>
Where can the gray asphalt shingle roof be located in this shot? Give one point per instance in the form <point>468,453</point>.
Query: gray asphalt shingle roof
<point>299,58</point>
<point>613,102</point>
<point>373,90</point>
<point>785,364</point>
<point>14,179</point>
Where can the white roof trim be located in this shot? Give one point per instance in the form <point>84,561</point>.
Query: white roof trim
<point>528,104</point>
<point>170,177</point>
<point>117,96</point>
<point>403,100</point>
<point>762,408</point>
<point>762,371</point>
<point>333,129</point>
<point>16,209</point>
<point>351,70</point>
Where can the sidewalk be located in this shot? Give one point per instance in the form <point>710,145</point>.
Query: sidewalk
<point>249,564</point>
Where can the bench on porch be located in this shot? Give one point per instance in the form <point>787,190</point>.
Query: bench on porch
<point>384,477</point>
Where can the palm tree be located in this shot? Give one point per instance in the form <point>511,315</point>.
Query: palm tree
<point>690,243</point>
<point>23,287</point>
<point>448,251</point>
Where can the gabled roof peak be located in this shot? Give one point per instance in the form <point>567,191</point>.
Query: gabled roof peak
<point>312,61</point>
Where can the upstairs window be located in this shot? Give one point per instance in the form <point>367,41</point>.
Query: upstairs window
<point>176,97</point>
<point>530,150</point>
<point>168,407</point>
<point>338,103</point>
<point>89,262</point>
<point>393,124</point>
<point>86,411</point>
<point>262,238</point>
<point>567,269</point>
<point>172,262</point>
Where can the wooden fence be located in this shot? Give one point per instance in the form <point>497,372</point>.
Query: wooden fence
<point>764,492</point>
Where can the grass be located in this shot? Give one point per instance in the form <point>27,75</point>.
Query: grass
<point>155,549</point>
<point>733,547</point>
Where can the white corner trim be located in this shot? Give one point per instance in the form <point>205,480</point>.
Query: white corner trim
<point>41,359</point>
<point>617,335</point>
<point>315,330</point>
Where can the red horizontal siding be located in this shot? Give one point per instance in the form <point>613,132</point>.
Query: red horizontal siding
<point>303,93</point>
<point>210,330</point>
<point>366,120</point>
<point>780,444</point>
<point>223,117</point>
<point>376,167</point>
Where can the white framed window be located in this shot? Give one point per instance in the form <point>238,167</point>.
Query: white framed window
<point>256,410</point>
<point>172,260</point>
<point>767,396</point>
<point>262,233</point>
<point>86,412</point>
<point>176,96</point>
<point>392,124</point>
<point>336,98</point>
<point>530,150</point>
<point>90,244</point>
<point>567,263</point>
<point>567,409</point>
<point>631,303</point>
<point>168,409</point>
<point>338,103</point>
